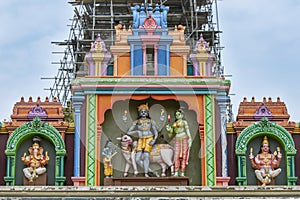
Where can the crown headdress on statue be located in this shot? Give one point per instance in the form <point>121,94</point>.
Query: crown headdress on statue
<point>35,144</point>
<point>143,107</point>
<point>265,141</point>
<point>36,140</point>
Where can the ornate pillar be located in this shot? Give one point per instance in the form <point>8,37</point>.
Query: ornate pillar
<point>209,140</point>
<point>168,59</point>
<point>222,103</point>
<point>91,140</point>
<point>144,60</point>
<point>202,148</point>
<point>155,60</point>
<point>98,152</point>
<point>77,104</point>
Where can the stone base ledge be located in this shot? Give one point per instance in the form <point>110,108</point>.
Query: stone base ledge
<point>149,181</point>
<point>153,192</point>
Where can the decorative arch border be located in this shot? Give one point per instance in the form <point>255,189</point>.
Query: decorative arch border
<point>264,127</point>
<point>93,117</point>
<point>36,127</point>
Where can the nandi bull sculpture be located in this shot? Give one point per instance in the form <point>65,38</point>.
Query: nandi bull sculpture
<point>161,154</point>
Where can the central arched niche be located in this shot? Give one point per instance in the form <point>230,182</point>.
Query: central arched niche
<point>114,125</point>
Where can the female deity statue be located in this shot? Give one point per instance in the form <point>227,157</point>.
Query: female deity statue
<point>265,163</point>
<point>182,142</point>
<point>35,162</point>
<point>146,130</point>
<point>108,152</point>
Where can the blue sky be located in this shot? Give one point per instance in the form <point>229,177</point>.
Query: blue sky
<point>27,30</point>
<point>261,40</point>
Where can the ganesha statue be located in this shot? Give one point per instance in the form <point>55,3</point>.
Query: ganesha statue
<point>35,162</point>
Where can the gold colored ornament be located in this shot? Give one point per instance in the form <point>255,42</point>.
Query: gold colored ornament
<point>265,141</point>
<point>143,107</point>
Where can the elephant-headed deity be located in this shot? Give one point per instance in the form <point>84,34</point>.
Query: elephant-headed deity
<point>35,162</point>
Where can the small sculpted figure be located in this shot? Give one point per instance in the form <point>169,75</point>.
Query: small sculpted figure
<point>146,130</point>
<point>135,14</point>
<point>108,152</point>
<point>35,162</point>
<point>182,142</point>
<point>265,163</point>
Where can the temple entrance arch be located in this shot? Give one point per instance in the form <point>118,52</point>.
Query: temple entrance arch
<point>279,135</point>
<point>22,135</point>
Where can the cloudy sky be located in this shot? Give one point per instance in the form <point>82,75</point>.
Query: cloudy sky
<point>261,40</point>
<point>27,30</point>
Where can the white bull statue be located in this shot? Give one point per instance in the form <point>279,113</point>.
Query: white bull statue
<point>161,154</point>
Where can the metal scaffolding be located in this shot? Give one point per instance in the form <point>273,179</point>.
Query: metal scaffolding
<point>92,17</point>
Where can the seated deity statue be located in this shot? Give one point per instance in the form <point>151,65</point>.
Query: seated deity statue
<point>265,163</point>
<point>35,162</point>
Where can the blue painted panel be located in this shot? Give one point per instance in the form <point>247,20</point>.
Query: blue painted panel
<point>190,69</point>
<point>162,61</point>
<point>138,61</point>
<point>110,69</point>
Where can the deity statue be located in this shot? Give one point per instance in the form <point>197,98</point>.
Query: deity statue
<point>265,163</point>
<point>146,130</point>
<point>35,161</point>
<point>108,152</point>
<point>182,141</point>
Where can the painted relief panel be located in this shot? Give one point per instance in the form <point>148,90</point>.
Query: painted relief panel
<point>256,145</point>
<point>119,119</point>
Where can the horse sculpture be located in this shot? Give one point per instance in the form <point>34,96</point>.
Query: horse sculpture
<point>161,154</point>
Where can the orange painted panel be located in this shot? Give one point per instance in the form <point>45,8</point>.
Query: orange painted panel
<point>104,103</point>
<point>123,65</point>
<point>176,65</point>
<point>195,103</point>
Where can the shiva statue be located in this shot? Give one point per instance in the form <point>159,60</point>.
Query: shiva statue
<point>146,130</point>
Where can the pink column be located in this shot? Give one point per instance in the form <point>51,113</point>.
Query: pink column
<point>155,60</point>
<point>144,61</point>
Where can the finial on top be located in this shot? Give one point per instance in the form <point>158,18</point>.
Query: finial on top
<point>265,141</point>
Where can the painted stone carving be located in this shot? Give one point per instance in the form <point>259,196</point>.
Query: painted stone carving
<point>161,154</point>
<point>108,152</point>
<point>35,161</point>
<point>182,142</point>
<point>146,130</point>
<point>265,163</point>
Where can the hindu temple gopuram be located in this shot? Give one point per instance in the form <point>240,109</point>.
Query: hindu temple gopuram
<point>148,117</point>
